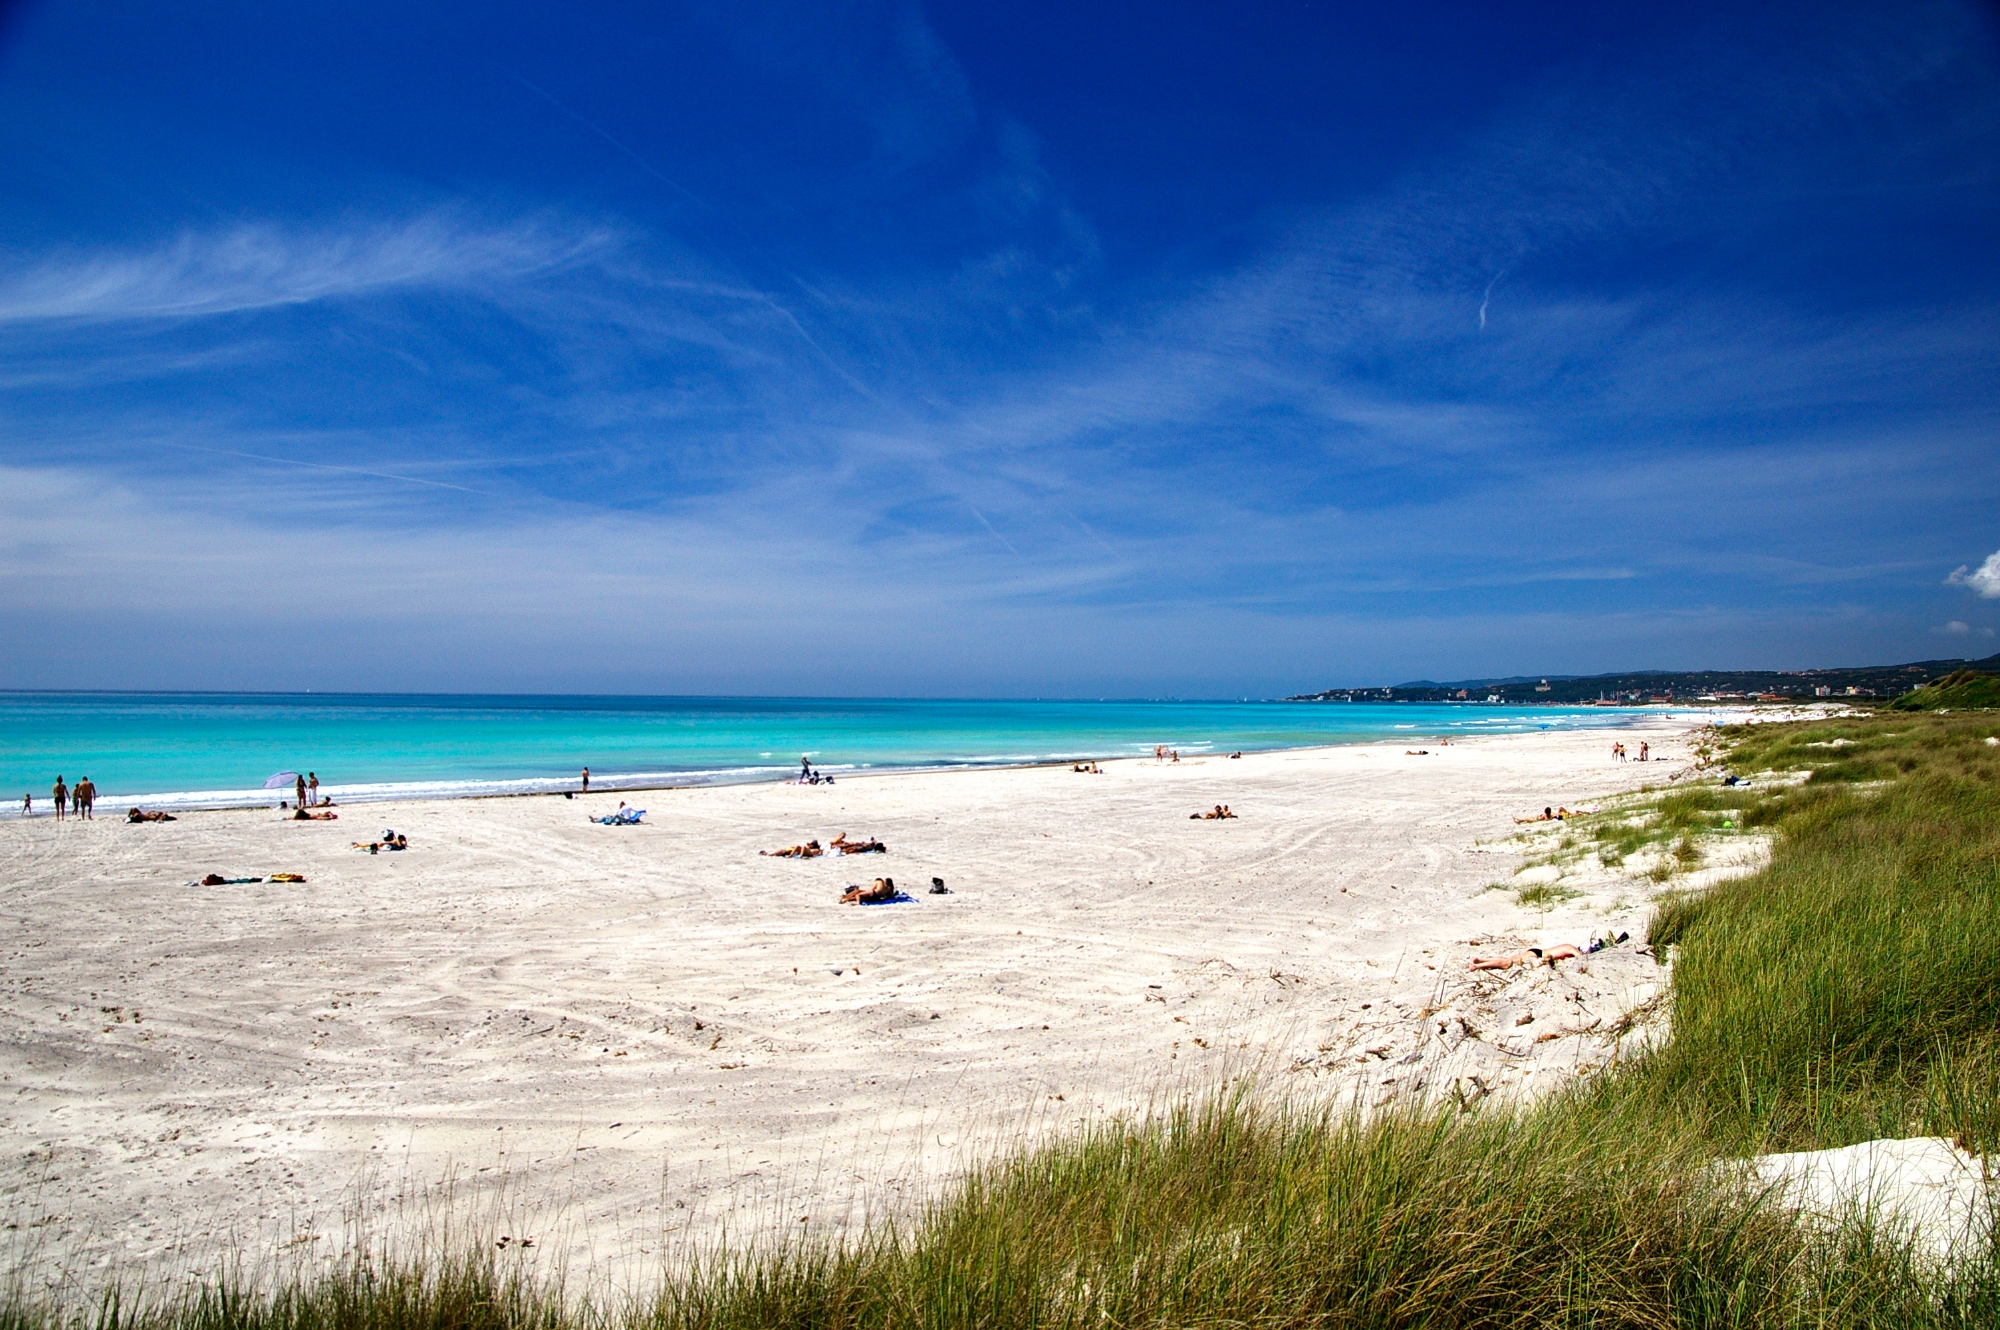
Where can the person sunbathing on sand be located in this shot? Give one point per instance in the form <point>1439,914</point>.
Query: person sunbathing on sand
<point>136,816</point>
<point>1215,814</point>
<point>883,890</point>
<point>303,816</point>
<point>810,850</point>
<point>391,840</point>
<point>846,846</point>
<point>1548,815</point>
<point>1529,956</point>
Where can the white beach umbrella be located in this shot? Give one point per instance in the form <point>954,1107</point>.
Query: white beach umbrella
<point>283,778</point>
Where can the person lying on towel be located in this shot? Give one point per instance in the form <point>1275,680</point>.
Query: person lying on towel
<point>883,890</point>
<point>1529,956</point>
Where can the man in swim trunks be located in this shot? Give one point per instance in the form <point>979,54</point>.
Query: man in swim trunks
<point>61,793</point>
<point>83,799</point>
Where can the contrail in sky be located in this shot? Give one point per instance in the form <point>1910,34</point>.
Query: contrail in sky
<point>996,532</point>
<point>1487,299</point>
<point>605,134</point>
<point>327,466</point>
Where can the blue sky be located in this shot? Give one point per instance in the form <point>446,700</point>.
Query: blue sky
<point>1043,349</point>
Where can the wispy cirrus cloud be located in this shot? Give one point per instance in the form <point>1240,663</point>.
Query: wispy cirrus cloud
<point>254,267</point>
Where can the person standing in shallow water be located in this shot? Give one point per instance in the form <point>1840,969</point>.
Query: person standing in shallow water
<point>61,793</point>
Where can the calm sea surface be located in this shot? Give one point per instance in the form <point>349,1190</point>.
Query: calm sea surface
<point>194,749</point>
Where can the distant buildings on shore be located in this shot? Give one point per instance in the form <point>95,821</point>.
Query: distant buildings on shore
<point>1666,687</point>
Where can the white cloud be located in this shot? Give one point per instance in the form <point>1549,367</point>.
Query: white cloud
<point>1956,628</point>
<point>1984,580</point>
<point>258,267</point>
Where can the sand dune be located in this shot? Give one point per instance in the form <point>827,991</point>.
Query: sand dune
<point>612,1039</point>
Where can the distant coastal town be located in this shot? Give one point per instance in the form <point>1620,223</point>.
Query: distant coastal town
<point>1654,687</point>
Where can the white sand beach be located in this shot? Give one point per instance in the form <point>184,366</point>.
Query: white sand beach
<point>612,1040</point>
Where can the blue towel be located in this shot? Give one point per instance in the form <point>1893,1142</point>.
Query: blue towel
<point>624,817</point>
<point>900,898</point>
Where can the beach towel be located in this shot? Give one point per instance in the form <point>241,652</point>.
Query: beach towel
<point>900,898</point>
<point>624,817</point>
<point>287,877</point>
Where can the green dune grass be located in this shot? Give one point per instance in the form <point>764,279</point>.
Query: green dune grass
<point>1962,690</point>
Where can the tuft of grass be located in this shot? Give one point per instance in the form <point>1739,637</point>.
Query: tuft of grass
<point>1673,913</point>
<point>1543,895</point>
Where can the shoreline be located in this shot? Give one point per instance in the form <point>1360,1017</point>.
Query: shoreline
<point>372,793</point>
<point>642,1036</point>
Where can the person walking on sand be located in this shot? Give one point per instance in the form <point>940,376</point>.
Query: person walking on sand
<point>61,793</point>
<point>83,799</point>
<point>312,788</point>
<point>28,804</point>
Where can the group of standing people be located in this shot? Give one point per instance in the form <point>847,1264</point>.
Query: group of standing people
<point>82,800</point>
<point>1645,751</point>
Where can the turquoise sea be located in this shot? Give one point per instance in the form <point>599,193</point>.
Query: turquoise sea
<point>214,749</point>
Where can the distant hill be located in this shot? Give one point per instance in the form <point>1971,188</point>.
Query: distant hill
<point>1877,681</point>
<point>1962,690</point>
